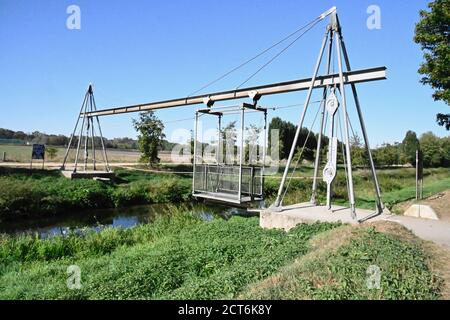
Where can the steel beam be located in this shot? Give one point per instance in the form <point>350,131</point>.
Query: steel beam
<point>351,77</point>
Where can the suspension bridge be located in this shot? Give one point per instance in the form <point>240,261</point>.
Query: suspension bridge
<point>240,182</point>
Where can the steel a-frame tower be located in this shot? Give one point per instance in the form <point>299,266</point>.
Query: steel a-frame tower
<point>333,39</point>
<point>86,137</point>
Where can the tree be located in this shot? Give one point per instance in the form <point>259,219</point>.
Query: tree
<point>359,154</point>
<point>286,136</point>
<point>436,151</point>
<point>150,136</point>
<point>410,145</point>
<point>387,154</point>
<point>51,152</point>
<point>251,143</point>
<point>229,138</point>
<point>286,133</point>
<point>433,34</point>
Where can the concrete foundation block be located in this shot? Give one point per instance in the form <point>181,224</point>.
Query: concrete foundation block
<point>421,211</point>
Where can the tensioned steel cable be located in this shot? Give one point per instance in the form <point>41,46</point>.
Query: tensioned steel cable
<point>278,54</point>
<point>344,156</point>
<point>300,156</point>
<point>257,56</point>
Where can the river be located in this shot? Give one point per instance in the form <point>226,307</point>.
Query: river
<point>115,218</point>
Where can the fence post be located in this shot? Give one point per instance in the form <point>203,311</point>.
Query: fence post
<point>417,174</point>
<point>4,156</point>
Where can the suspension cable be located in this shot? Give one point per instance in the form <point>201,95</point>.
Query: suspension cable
<point>300,156</point>
<point>278,54</point>
<point>256,56</point>
<point>343,151</point>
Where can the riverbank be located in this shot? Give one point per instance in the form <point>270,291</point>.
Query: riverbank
<point>44,193</point>
<point>41,193</point>
<point>183,257</point>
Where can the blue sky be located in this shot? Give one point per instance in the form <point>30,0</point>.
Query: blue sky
<point>141,51</point>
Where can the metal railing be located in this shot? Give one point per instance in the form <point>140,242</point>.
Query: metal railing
<point>225,179</point>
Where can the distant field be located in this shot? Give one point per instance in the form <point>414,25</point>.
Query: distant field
<point>23,154</point>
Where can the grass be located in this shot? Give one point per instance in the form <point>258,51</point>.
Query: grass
<point>337,268</point>
<point>25,193</point>
<point>397,185</point>
<point>178,258</point>
<point>183,257</point>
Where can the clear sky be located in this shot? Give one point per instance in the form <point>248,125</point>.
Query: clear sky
<point>141,51</point>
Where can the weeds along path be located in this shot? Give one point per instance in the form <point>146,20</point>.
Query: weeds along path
<point>336,267</point>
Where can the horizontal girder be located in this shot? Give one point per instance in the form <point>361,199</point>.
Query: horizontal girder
<point>357,76</point>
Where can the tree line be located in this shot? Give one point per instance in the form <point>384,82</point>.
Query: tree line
<point>20,137</point>
<point>435,150</point>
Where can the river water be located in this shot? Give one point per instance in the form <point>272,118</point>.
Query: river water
<point>116,218</point>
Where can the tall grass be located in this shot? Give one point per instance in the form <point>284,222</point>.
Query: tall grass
<point>28,248</point>
<point>25,193</point>
<point>182,258</point>
<point>186,258</point>
<point>371,265</point>
<point>397,185</point>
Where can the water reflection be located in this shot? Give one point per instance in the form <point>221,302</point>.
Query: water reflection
<point>117,218</point>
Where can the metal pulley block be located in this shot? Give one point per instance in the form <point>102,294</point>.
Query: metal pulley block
<point>329,172</point>
<point>332,104</point>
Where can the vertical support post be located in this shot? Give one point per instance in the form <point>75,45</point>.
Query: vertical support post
<point>105,155</point>
<point>319,140</point>
<point>346,129</point>
<point>194,158</point>
<point>241,153</point>
<point>63,166</point>
<point>219,140</point>
<point>417,174</point>
<point>80,137</point>
<point>93,143</point>
<point>380,205</point>
<point>4,156</point>
<point>250,187</point>
<point>263,168</point>
<point>277,203</point>
<point>317,160</point>
<point>205,178</point>
<point>218,151</point>
<point>86,142</point>
<point>421,188</point>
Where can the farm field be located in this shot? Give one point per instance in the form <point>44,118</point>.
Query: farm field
<point>23,154</point>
